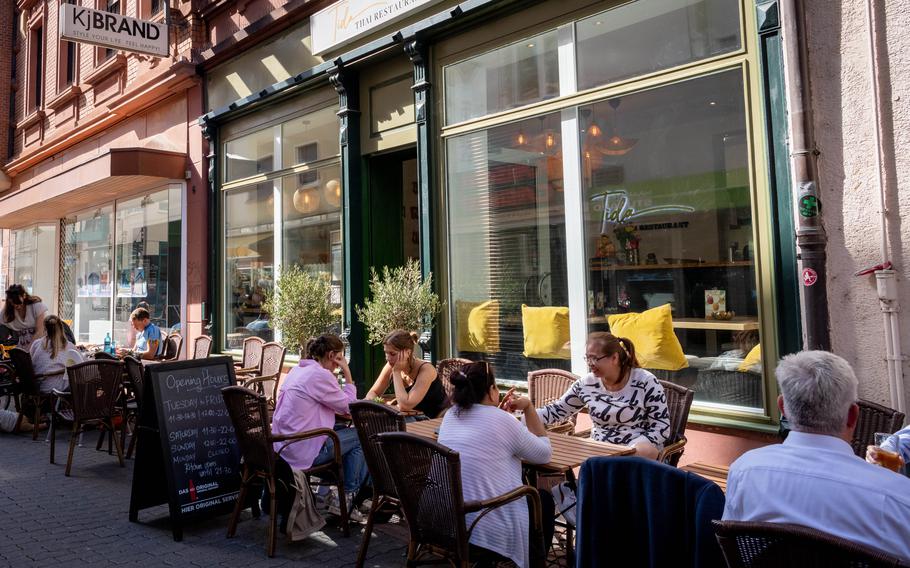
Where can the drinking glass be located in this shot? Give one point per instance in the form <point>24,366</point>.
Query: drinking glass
<point>886,458</point>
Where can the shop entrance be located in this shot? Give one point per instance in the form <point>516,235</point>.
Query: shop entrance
<point>392,216</point>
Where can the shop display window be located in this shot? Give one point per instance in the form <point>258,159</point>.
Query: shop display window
<point>249,155</point>
<point>509,299</point>
<point>88,278</point>
<point>32,260</point>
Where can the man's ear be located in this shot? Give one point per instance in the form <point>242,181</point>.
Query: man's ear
<point>852,416</point>
<point>780,404</point>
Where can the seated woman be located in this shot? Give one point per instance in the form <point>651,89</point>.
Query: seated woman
<point>24,314</point>
<point>414,380</point>
<point>309,399</point>
<point>627,404</point>
<point>52,354</point>
<point>492,445</point>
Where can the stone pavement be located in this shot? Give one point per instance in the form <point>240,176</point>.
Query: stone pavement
<point>82,520</point>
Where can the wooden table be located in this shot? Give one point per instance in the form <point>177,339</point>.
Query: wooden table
<point>715,473</point>
<point>569,452</point>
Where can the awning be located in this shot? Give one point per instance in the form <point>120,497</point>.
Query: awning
<point>119,172</point>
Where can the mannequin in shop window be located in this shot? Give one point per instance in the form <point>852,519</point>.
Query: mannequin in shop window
<point>24,314</point>
<point>148,343</point>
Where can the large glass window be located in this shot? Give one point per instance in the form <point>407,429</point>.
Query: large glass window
<point>249,156</point>
<point>509,296</point>
<point>88,264</point>
<point>642,37</point>
<point>309,138</point>
<point>32,260</point>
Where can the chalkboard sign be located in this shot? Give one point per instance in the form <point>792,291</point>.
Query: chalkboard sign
<point>185,433</point>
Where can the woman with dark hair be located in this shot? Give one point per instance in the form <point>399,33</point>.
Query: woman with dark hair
<point>309,399</point>
<point>24,314</point>
<point>414,380</point>
<point>52,354</point>
<point>627,404</point>
<point>492,445</point>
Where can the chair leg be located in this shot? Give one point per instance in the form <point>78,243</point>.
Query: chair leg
<point>241,498</point>
<point>273,517</point>
<point>53,435</point>
<point>132,446</point>
<point>100,440</point>
<point>412,554</point>
<point>69,459</point>
<point>37,418</point>
<point>112,438</point>
<point>368,532</point>
<point>343,506</point>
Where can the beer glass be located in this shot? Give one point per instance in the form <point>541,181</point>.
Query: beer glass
<point>886,458</point>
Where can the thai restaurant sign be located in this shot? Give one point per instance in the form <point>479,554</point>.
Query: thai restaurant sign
<point>347,20</point>
<point>84,25</point>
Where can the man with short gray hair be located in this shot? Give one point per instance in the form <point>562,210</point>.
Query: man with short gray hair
<point>814,479</point>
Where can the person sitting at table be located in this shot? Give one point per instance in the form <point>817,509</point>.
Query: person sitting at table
<point>24,314</point>
<point>148,343</point>
<point>492,445</point>
<point>131,331</point>
<point>52,354</point>
<point>413,380</point>
<point>309,399</point>
<point>898,443</point>
<point>813,478</point>
<point>627,404</point>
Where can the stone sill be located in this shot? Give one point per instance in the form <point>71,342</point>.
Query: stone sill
<point>68,94</point>
<point>35,117</point>
<point>109,67</point>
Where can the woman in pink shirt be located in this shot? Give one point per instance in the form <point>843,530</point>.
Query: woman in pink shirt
<point>309,399</point>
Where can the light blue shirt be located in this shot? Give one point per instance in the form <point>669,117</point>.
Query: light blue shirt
<point>899,442</point>
<point>151,332</point>
<point>818,482</point>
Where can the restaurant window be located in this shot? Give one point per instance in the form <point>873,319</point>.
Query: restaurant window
<point>32,260</point>
<point>630,212</point>
<point>88,266</point>
<point>507,262</point>
<point>301,158</point>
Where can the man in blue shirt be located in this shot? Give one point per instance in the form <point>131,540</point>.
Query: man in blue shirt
<point>148,337</point>
<point>898,443</point>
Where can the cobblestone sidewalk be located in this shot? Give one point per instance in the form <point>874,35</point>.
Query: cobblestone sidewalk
<point>50,519</point>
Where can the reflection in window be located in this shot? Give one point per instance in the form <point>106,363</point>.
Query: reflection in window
<point>310,137</point>
<point>668,220</point>
<point>512,76</point>
<point>87,278</point>
<point>509,295</point>
<point>249,156</point>
<point>642,37</point>
<point>249,251</point>
<point>32,261</point>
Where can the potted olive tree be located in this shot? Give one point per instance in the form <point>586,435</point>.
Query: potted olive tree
<point>401,299</point>
<point>299,306</point>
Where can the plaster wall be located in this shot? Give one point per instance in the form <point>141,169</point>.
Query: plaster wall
<point>840,78</point>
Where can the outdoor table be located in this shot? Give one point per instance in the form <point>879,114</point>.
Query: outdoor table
<point>716,473</point>
<point>569,452</point>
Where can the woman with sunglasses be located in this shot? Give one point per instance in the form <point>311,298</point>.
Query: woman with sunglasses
<point>24,314</point>
<point>413,380</point>
<point>492,445</point>
<point>627,404</point>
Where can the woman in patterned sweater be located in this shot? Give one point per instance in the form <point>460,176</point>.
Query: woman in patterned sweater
<point>627,404</point>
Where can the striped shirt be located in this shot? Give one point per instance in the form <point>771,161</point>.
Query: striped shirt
<point>638,410</point>
<point>492,445</point>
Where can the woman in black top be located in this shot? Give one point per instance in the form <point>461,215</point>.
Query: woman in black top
<point>414,380</point>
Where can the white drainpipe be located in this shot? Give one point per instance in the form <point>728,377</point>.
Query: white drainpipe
<point>885,279</point>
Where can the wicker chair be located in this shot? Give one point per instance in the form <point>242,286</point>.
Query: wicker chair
<point>370,419</point>
<point>267,380</point>
<point>202,347</point>
<point>136,373</point>
<point>679,402</point>
<point>251,357</point>
<point>8,386</point>
<point>28,391</point>
<point>729,387</point>
<point>95,387</point>
<point>427,478</point>
<point>250,417</point>
<point>444,370</point>
<point>173,344</point>
<point>778,545</point>
<point>547,385</point>
<point>103,356</point>
<point>873,418</point>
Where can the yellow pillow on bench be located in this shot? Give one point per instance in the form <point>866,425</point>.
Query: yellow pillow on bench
<point>651,331</point>
<point>752,362</point>
<point>478,326</point>
<point>546,332</point>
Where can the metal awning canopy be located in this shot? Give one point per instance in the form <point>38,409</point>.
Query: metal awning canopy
<point>117,173</point>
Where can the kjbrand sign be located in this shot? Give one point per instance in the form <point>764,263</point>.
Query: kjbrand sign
<point>85,25</point>
<point>350,19</point>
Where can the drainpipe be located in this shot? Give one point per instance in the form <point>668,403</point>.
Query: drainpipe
<point>885,276</point>
<point>811,240</point>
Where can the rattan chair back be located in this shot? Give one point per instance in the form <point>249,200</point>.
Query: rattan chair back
<point>679,402</point>
<point>779,545</point>
<point>370,419</point>
<point>95,388</point>
<point>252,352</point>
<point>25,372</point>
<point>427,478</point>
<point>873,418</point>
<point>202,347</point>
<point>250,417</point>
<point>173,343</point>
<point>547,385</point>
<point>273,355</point>
<point>444,370</point>
<point>136,373</point>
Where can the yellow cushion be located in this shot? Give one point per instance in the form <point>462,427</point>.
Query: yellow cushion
<point>546,332</point>
<point>652,334</point>
<point>478,326</point>
<point>752,362</point>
